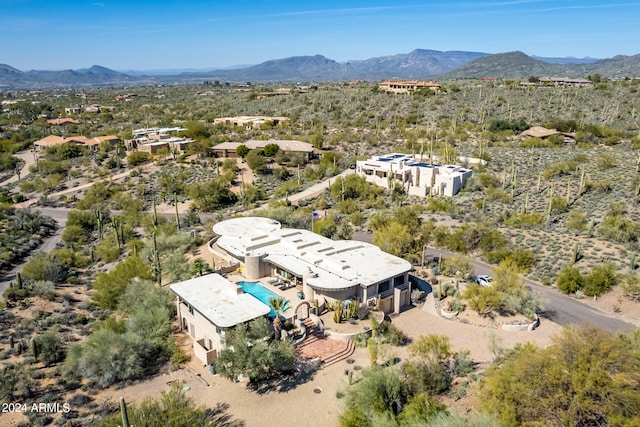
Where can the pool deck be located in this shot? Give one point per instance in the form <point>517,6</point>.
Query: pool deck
<point>290,294</point>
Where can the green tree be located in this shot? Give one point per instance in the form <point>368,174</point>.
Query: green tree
<point>376,400</point>
<point>210,196</point>
<point>570,280</point>
<point>483,300</point>
<point>199,267</point>
<point>137,158</point>
<point>393,238</point>
<point>588,377</point>
<point>256,161</point>
<point>271,150</point>
<point>242,151</point>
<point>600,279</point>
<point>248,352</point>
<point>112,285</point>
<point>457,265</point>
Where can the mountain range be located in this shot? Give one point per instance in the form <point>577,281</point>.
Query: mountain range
<point>417,64</point>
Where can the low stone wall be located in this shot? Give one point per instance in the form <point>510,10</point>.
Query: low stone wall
<point>448,314</point>
<point>522,327</point>
<point>345,337</point>
<point>516,327</point>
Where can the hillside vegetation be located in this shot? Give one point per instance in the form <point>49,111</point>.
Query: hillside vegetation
<point>562,211</point>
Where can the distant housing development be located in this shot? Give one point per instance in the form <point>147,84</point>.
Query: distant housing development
<point>228,149</point>
<point>565,81</point>
<point>406,86</point>
<point>417,177</point>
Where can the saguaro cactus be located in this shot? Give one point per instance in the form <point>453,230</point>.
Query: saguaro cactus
<point>576,253</point>
<point>175,202</point>
<point>123,412</point>
<point>99,214</point>
<point>156,260</point>
<point>34,348</point>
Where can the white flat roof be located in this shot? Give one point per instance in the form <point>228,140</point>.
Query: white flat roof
<point>219,300</point>
<point>334,265</point>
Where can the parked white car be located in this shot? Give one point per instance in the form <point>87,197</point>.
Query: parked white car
<point>483,280</point>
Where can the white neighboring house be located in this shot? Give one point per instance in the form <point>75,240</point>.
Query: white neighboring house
<point>207,306</point>
<point>328,270</point>
<point>417,178</point>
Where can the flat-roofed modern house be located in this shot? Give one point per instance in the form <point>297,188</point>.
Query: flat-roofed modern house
<point>152,140</point>
<point>228,149</point>
<point>249,121</point>
<point>565,81</point>
<point>207,306</point>
<point>328,270</point>
<point>417,178</point>
<point>406,86</point>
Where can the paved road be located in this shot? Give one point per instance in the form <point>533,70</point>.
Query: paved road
<point>558,307</point>
<point>318,188</point>
<point>29,160</point>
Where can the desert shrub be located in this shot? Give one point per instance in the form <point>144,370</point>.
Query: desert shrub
<point>605,161</point>
<point>50,348</point>
<point>463,364</point>
<point>173,408</point>
<point>601,186</point>
<point>631,286</point>
<point>569,280</point>
<point>109,357</point>
<point>532,142</point>
<point>560,169</point>
<point>576,221</point>
<point>137,158</point>
<point>112,285</point>
<point>525,220</point>
<point>483,300</point>
<point>600,280</point>
<point>107,250</point>
<point>619,228</point>
<point>45,267</point>
<point>522,258</point>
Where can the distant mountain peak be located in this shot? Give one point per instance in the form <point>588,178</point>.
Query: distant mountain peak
<point>418,64</point>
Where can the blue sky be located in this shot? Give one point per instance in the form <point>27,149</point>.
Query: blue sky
<point>145,35</point>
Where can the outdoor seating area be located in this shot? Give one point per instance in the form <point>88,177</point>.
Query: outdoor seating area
<point>281,283</point>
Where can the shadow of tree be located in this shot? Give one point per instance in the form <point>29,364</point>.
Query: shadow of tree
<point>221,418</point>
<point>283,383</point>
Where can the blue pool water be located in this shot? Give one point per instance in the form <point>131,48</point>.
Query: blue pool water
<point>257,290</point>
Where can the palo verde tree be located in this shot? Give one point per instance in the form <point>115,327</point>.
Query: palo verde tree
<point>250,352</point>
<point>588,377</point>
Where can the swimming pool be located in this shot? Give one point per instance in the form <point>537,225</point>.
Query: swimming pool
<point>257,290</point>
